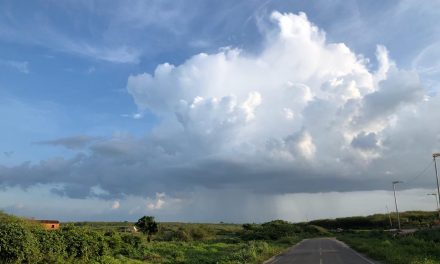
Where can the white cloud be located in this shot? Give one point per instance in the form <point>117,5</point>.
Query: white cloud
<point>21,66</point>
<point>250,104</point>
<point>138,115</point>
<point>427,61</point>
<point>231,99</point>
<point>121,54</point>
<point>115,205</point>
<point>91,70</point>
<point>303,115</point>
<point>158,203</point>
<point>306,146</point>
<point>288,113</point>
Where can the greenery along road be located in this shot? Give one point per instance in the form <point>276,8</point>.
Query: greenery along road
<point>423,247</point>
<point>24,241</point>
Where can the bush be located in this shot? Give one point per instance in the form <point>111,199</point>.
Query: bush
<point>201,233</point>
<point>114,241</point>
<point>18,244</point>
<point>315,230</point>
<point>181,234</point>
<point>84,244</point>
<point>51,244</point>
<point>132,246</point>
<point>273,230</point>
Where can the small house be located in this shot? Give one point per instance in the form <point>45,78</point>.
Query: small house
<point>49,224</point>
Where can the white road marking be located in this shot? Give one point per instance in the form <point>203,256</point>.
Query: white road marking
<point>352,250</point>
<point>362,257</point>
<point>320,251</point>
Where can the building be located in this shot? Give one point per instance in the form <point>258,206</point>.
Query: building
<point>49,224</point>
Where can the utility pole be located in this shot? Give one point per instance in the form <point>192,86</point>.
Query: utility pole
<point>436,201</point>
<point>435,155</point>
<point>395,201</point>
<point>389,216</point>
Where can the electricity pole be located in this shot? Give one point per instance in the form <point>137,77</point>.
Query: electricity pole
<point>436,201</point>
<point>395,201</point>
<point>435,155</point>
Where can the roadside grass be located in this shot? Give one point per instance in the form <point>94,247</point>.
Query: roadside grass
<point>420,248</point>
<point>197,252</point>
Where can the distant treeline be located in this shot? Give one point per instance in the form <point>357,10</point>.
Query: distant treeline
<point>380,221</point>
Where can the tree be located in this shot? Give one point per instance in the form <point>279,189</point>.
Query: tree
<point>147,225</point>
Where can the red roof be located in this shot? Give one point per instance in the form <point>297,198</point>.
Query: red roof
<point>49,221</point>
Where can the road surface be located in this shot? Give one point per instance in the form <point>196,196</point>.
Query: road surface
<point>320,251</point>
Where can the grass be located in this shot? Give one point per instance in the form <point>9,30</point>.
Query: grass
<point>420,248</point>
<point>203,252</point>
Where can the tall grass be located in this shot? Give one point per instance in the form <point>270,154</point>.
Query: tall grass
<point>419,248</point>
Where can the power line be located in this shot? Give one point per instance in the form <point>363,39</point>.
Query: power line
<point>421,173</point>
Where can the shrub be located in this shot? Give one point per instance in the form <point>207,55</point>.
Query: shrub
<point>132,245</point>
<point>269,231</point>
<point>51,244</point>
<point>181,234</point>
<point>200,233</point>
<point>84,244</point>
<point>114,241</point>
<point>17,243</point>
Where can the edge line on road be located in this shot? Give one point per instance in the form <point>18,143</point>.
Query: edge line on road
<point>272,259</point>
<point>364,258</point>
<point>354,251</point>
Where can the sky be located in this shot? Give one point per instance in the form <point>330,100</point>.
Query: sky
<point>208,111</point>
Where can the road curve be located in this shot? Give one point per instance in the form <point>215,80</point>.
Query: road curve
<point>320,251</point>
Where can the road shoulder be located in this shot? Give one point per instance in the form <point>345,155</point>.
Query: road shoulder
<point>281,254</point>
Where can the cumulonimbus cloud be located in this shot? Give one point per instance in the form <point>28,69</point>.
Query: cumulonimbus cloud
<point>302,115</point>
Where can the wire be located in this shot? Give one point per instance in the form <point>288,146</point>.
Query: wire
<point>411,180</point>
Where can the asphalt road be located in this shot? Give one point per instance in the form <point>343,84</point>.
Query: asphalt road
<point>320,251</point>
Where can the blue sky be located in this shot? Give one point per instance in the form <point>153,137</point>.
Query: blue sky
<point>145,107</point>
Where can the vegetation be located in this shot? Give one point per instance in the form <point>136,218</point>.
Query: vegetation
<point>419,248</point>
<point>278,229</point>
<point>148,226</point>
<point>24,241</point>
<point>410,219</point>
